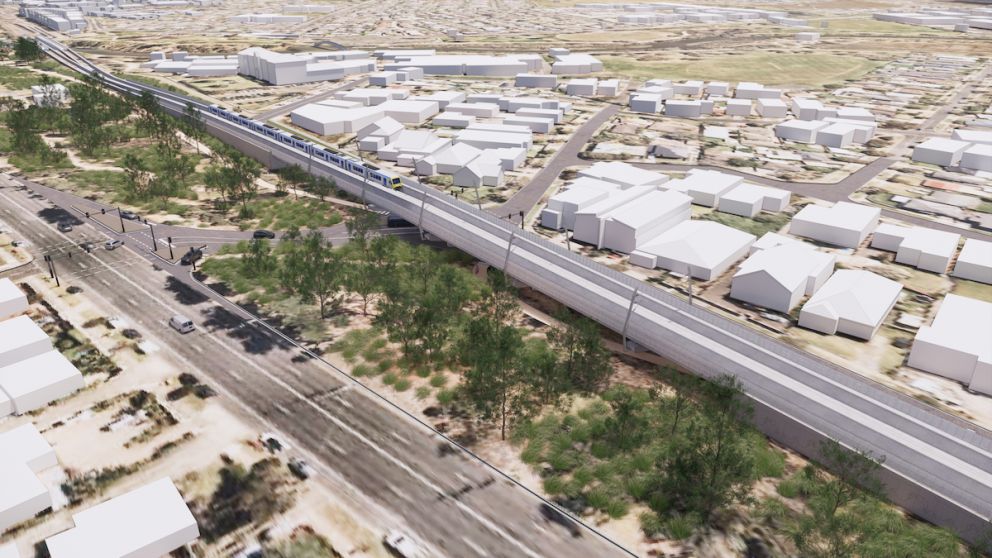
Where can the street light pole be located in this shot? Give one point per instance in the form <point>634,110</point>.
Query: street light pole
<point>121,217</point>
<point>365,178</point>
<point>154,242</point>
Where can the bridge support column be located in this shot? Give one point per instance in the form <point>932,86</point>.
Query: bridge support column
<point>630,310</point>
<point>509,248</point>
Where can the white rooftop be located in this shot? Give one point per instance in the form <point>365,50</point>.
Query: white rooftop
<point>12,300</point>
<point>963,323</point>
<point>23,453</point>
<point>787,264</point>
<point>144,523</point>
<point>9,551</point>
<point>579,190</point>
<point>854,295</point>
<point>842,214</point>
<point>943,145</point>
<point>36,381</point>
<point>973,136</point>
<point>773,239</point>
<point>700,244</point>
<point>624,174</point>
<point>645,209</point>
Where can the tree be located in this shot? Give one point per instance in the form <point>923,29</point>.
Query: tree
<point>583,358</point>
<point>321,186</point>
<point>193,125</point>
<point>827,531</point>
<point>489,349</point>
<point>235,176</point>
<point>27,49</point>
<point>683,386</point>
<point>312,270</point>
<point>546,380</point>
<point>627,423</point>
<point>295,176</point>
<point>709,465</point>
<point>137,177</point>
<point>361,225</point>
<point>258,260</point>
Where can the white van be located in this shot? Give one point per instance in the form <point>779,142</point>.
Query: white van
<point>182,324</point>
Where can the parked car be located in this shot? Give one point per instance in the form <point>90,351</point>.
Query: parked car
<point>129,215</point>
<point>182,324</point>
<point>194,255</point>
<point>113,244</point>
<point>65,226</point>
<point>262,233</point>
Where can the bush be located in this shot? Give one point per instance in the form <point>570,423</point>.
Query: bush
<point>681,527</point>
<point>402,384</point>
<point>361,370</point>
<point>389,379</point>
<point>438,380</point>
<point>446,396</point>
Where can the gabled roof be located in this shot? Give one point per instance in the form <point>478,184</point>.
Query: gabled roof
<point>786,264</point>
<point>457,154</point>
<point>703,244</point>
<point>855,295</point>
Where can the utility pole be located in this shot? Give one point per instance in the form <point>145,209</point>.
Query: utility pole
<point>521,220</point>
<point>154,242</point>
<point>478,197</point>
<point>689,277</point>
<point>121,217</point>
<point>365,178</point>
<point>171,256</point>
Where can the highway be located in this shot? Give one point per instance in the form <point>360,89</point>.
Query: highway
<point>937,466</point>
<point>446,499</point>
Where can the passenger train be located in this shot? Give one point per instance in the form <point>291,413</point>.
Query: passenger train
<point>346,163</point>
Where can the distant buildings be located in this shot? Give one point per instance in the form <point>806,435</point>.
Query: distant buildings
<point>281,68</point>
<point>968,149</point>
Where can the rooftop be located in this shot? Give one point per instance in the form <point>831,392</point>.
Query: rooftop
<point>854,295</point>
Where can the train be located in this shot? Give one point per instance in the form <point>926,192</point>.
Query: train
<point>348,164</point>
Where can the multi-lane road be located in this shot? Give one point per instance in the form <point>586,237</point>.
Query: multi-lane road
<point>397,467</point>
<point>937,466</point>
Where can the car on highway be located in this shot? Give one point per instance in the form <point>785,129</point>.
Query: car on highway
<point>65,226</point>
<point>181,323</point>
<point>400,545</point>
<point>300,469</point>
<point>113,244</point>
<point>129,215</point>
<point>262,233</point>
<point>194,255</point>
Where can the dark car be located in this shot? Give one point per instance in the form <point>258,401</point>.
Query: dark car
<point>554,515</point>
<point>129,215</point>
<point>394,222</point>
<point>262,233</point>
<point>64,226</point>
<point>192,256</point>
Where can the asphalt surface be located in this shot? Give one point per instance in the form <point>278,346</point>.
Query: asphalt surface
<point>415,479</point>
<point>530,195</point>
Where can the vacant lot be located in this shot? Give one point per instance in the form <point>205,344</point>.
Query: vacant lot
<point>769,69</point>
<point>868,25</point>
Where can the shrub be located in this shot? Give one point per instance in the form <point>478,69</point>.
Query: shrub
<point>681,527</point>
<point>438,380</point>
<point>423,392</point>
<point>402,384</point>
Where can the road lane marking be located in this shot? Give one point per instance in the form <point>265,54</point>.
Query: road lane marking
<point>479,551</point>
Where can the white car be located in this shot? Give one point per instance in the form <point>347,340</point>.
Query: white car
<point>113,244</point>
<point>401,545</point>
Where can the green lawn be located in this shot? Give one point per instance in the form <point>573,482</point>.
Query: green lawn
<point>812,69</point>
<point>15,78</point>
<point>762,223</point>
<point>285,213</point>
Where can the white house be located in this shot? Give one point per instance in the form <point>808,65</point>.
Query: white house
<point>972,136</point>
<point>452,158</point>
<point>705,186</point>
<point>772,108</point>
<point>329,120</point>
<point>940,151</point>
<point>379,134</point>
<point>480,110</point>
<point>582,87</point>
<point>920,247</point>
<point>837,134</point>
<point>802,131</point>
<point>148,522</point>
<point>717,88</point>
<point>975,261</point>
<point>536,124</point>
<point>641,220</point>
<point>956,345</point>
<point>481,171</point>
<point>582,193</point>
<point>738,107</point>
<point>486,139</point>
<point>24,453</point>
<point>853,302</point>
<point>692,88</point>
<point>409,111</point>
<point>443,98</point>
<point>537,81</point>
<point>13,302</point>
<point>453,120</point>
<point>589,221</point>
<point>778,277</point>
<point>747,200</point>
<point>844,224</point>
<point>646,103</point>
<point>773,239</point>
<point>702,249</point>
<point>624,174</point>
<point>683,109</point>
<point>806,109</point>
<point>36,381</point>
<point>415,144</point>
<point>21,338</point>
<point>555,115</point>
<point>9,551</point>
<point>977,157</point>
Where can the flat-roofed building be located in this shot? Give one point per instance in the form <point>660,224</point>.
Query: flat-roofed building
<point>843,224</point>
<point>940,151</point>
<point>692,88</point>
<point>683,109</point>
<point>973,136</point>
<point>581,193</point>
<point>21,338</point>
<point>956,345</point>
<point>589,221</point>
<point>778,277</point>
<point>772,108</point>
<point>977,157</point>
<point>9,550</point>
<point>537,124</point>
<point>453,120</point>
<point>330,121</point>
<point>853,302</point>
<point>747,200</point>
<point>13,302</point>
<point>584,87</point>
<point>148,522</point>
<point>646,103</point>
<point>576,63</point>
<point>479,110</point>
<point>536,81</point>
<point>555,115</point>
<point>837,135</point>
<point>36,381</point>
<point>488,139</point>
<point>806,109</point>
<point>442,98</point>
<point>802,131</point>
<point>641,220</point>
<point>705,187</point>
<point>739,107</point>
<point>24,453</point>
<point>623,174</point>
<point>975,261</point>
